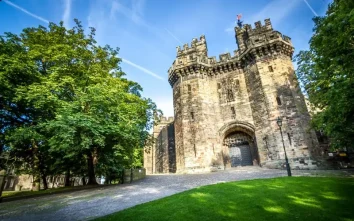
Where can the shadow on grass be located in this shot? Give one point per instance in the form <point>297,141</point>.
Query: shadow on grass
<point>294,198</point>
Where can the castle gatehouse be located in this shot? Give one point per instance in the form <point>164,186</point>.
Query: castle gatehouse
<point>225,109</point>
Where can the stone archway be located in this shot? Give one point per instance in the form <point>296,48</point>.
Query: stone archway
<point>239,144</point>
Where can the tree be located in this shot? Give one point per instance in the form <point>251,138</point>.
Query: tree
<point>76,103</point>
<point>327,72</point>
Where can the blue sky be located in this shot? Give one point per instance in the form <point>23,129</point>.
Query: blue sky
<point>148,31</point>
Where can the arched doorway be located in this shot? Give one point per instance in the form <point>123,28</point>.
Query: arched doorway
<point>239,147</point>
<point>239,143</point>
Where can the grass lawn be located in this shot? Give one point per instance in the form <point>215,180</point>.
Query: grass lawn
<point>286,198</point>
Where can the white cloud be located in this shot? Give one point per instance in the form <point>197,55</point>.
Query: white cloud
<point>26,12</point>
<point>137,10</point>
<point>67,12</point>
<point>135,14</point>
<point>276,10</point>
<point>142,69</point>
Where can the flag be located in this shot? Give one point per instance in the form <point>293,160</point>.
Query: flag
<point>239,16</point>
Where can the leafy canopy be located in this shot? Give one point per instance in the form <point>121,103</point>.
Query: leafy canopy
<point>327,71</point>
<point>66,98</point>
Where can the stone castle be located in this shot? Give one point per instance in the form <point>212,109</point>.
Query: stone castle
<point>225,110</point>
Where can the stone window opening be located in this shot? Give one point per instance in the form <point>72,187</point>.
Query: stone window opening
<point>289,137</point>
<point>278,100</point>
<point>230,95</point>
<point>219,86</point>
<point>270,68</point>
<point>195,150</point>
<point>233,112</point>
<point>192,115</point>
<point>189,88</point>
<point>237,83</point>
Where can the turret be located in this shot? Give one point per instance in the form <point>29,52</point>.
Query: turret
<point>198,47</point>
<point>248,37</point>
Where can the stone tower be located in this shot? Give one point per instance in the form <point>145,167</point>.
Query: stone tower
<point>226,109</point>
<point>161,157</point>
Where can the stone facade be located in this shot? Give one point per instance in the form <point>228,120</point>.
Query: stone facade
<point>233,102</point>
<point>161,157</point>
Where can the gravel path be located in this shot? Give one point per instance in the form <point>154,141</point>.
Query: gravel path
<point>88,204</point>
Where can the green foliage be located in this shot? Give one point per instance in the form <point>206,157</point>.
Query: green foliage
<point>327,72</point>
<point>66,105</point>
<point>294,198</point>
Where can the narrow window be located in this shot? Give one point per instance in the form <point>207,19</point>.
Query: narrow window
<point>278,101</point>
<point>192,115</point>
<point>189,88</point>
<point>230,95</point>
<point>289,137</point>
<point>219,86</point>
<point>195,150</point>
<point>233,111</point>
<point>237,83</point>
<point>270,68</point>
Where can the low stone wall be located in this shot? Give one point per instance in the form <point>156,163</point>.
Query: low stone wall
<point>2,182</point>
<point>25,181</point>
<point>137,174</point>
<point>300,163</point>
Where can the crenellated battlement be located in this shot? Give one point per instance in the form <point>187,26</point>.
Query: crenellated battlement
<point>165,120</point>
<point>258,27</point>
<point>198,47</point>
<point>249,37</point>
<point>253,43</point>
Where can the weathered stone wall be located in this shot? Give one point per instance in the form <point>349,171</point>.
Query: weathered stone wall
<point>25,181</point>
<point>2,182</point>
<point>136,174</point>
<point>241,93</point>
<point>161,156</point>
<point>203,105</point>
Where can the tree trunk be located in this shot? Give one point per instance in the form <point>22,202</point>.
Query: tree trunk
<point>83,181</point>
<point>36,173</point>
<point>53,181</point>
<point>45,184</point>
<point>42,173</point>
<point>91,170</point>
<point>67,178</point>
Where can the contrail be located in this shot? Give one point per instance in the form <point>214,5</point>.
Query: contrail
<point>142,69</point>
<point>173,36</point>
<point>67,11</point>
<point>313,11</point>
<point>25,11</point>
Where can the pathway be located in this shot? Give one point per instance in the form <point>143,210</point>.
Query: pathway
<point>88,204</point>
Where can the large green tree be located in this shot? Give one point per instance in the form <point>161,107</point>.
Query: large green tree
<point>327,72</point>
<point>67,100</point>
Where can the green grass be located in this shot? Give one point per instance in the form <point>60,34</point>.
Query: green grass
<point>287,198</point>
